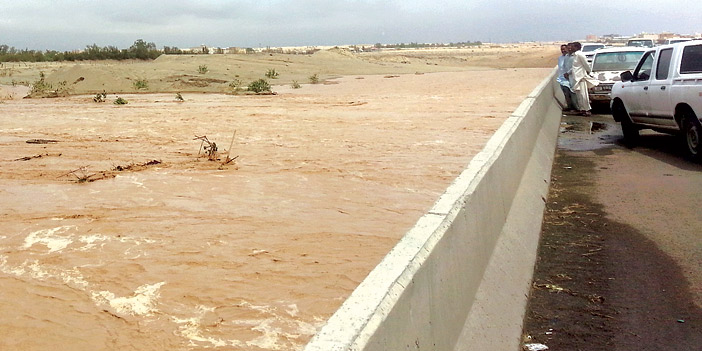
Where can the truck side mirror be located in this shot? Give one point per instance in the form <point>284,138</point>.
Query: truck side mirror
<point>626,76</point>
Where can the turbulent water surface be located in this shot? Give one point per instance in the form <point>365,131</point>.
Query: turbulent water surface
<point>117,235</point>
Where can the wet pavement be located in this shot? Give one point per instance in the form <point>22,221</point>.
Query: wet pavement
<point>620,255</point>
<point>580,133</point>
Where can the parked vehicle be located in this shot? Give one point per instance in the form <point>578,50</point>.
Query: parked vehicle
<point>589,50</point>
<point>664,93</point>
<point>607,65</point>
<point>675,40</point>
<point>640,42</point>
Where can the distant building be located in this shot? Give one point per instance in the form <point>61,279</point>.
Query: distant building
<point>202,49</point>
<point>234,50</point>
<point>592,38</point>
<point>615,39</point>
<point>652,36</point>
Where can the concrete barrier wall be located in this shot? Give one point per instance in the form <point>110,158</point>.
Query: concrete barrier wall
<point>459,279</point>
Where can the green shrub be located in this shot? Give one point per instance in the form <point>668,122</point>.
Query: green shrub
<point>272,74</point>
<point>259,86</point>
<point>314,79</point>
<point>235,84</point>
<point>100,97</point>
<point>179,97</point>
<point>63,89</point>
<point>141,84</point>
<point>295,85</point>
<point>40,87</point>
<point>120,101</point>
<point>202,69</point>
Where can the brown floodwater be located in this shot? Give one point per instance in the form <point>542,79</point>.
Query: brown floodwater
<point>117,234</point>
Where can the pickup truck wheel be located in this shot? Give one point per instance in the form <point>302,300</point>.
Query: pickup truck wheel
<point>630,131</point>
<point>692,132</point>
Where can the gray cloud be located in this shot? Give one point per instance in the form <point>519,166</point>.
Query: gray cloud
<point>72,24</point>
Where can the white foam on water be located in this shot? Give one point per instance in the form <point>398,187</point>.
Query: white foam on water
<point>273,329</point>
<point>72,277</point>
<point>271,334</point>
<point>7,269</point>
<point>54,240</point>
<point>30,268</point>
<point>50,237</point>
<point>269,339</point>
<point>129,252</point>
<point>91,241</point>
<point>292,310</point>
<point>141,303</point>
<point>276,328</point>
<point>304,328</point>
<point>133,179</point>
<point>36,270</point>
<point>190,328</point>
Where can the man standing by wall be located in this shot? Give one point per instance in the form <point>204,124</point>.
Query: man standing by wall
<point>565,63</point>
<point>580,80</point>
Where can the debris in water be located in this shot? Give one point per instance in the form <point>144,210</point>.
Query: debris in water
<point>41,141</point>
<point>27,158</point>
<point>595,126</point>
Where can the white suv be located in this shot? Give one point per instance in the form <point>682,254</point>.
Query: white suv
<point>664,93</point>
<point>607,65</point>
<point>589,50</point>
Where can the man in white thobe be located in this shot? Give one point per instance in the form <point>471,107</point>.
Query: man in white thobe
<point>580,79</point>
<point>565,63</point>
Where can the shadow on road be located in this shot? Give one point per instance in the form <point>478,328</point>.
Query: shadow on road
<point>600,132</point>
<point>607,284</point>
<point>665,148</point>
<point>600,284</point>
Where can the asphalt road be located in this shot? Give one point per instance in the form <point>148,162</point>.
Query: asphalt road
<point>620,257</point>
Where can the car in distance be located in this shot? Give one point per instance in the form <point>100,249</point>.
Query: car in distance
<point>640,42</point>
<point>589,50</point>
<point>664,93</point>
<point>675,40</point>
<point>607,65</point>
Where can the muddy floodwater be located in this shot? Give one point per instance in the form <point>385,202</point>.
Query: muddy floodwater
<point>117,234</point>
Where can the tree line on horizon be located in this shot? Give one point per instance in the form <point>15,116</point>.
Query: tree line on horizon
<point>140,50</point>
<point>414,45</point>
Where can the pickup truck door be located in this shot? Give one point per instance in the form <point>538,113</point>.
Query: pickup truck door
<point>636,91</point>
<point>660,109</point>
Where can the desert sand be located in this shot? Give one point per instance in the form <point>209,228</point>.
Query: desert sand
<point>118,233</point>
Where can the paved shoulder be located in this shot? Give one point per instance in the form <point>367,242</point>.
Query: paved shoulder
<point>618,264</point>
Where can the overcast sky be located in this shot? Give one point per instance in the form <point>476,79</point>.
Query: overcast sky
<point>74,24</point>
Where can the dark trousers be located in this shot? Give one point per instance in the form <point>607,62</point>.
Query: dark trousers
<point>571,100</point>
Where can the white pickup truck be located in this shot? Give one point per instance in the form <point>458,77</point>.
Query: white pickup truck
<point>664,93</point>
